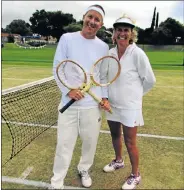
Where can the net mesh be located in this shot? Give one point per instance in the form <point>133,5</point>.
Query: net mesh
<point>28,111</point>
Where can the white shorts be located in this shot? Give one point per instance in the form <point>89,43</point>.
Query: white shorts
<point>129,118</point>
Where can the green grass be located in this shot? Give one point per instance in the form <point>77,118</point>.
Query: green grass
<point>15,75</point>
<point>161,163</point>
<point>165,58</point>
<point>161,160</point>
<point>11,53</point>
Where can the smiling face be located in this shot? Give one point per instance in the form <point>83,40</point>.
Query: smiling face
<point>92,22</point>
<point>123,34</point>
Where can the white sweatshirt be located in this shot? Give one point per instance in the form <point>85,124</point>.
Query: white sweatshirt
<point>136,79</point>
<point>85,52</point>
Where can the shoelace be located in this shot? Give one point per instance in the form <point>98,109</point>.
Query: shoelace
<point>112,163</point>
<point>132,179</point>
<point>84,174</point>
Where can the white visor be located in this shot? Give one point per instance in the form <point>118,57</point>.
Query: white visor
<point>124,21</point>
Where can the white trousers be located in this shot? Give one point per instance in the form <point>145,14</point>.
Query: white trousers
<point>73,122</point>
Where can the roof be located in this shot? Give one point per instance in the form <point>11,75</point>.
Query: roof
<point>7,34</point>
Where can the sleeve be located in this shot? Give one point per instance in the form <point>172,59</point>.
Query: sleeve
<point>104,75</point>
<point>146,73</point>
<point>60,55</point>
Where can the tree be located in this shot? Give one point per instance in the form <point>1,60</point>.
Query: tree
<point>175,27</point>
<point>161,36</point>
<point>58,21</point>
<point>40,22</point>
<point>141,35</point>
<point>73,27</point>
<point>153,20</point>
<point>50,23</point>
<point>157,18</point>
<point>11,38</point>
<point>103,35</point>
<point>19,27</point>
<point>3,30</point>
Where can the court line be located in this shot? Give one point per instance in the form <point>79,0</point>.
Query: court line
<point>168,86</point>
<point>102,131</point>
<point>18,79</point>
<point>26,173</point>
<point>33,183</point>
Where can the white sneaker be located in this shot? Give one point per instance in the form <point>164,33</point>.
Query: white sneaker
<point>85,178</point>
<point>114,165</point>
<point>131,182</point>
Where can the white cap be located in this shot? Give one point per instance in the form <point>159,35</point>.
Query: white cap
<point>124,20</point>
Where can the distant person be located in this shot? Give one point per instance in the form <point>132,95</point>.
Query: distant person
<point>125,97</point>
<point>82,118</point>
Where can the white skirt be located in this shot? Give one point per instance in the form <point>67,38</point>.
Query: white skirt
<point>129,118</point>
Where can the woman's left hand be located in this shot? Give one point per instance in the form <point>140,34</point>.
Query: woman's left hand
<point>104,104</point>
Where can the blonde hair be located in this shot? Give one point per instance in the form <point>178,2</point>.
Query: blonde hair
<point>134,32</point>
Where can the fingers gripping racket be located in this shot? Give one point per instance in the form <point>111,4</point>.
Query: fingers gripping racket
<point>99,76</point>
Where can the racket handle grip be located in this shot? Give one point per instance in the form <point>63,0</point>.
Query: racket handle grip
<point>67,105</point>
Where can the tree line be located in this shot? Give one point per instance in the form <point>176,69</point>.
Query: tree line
<point>56,23</point>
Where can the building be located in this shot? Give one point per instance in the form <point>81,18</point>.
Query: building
<point>4,37</point>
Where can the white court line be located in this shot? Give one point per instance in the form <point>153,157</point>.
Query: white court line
<point>32,183</point>
<point>26,173</point>
<point>102,131</point>
<point>7,69</point>
<point>152,136</point>
<point>157,86</point>
<point>18,79</point>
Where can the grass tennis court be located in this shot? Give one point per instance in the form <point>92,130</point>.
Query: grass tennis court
<point>161,159</point>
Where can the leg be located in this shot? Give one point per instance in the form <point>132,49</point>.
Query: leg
<point>130,142</point>
<point>90,123</point>
<point>116,134</point>
<point>67,133</point>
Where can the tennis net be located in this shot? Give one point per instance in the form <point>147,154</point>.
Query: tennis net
<point>28,111</point>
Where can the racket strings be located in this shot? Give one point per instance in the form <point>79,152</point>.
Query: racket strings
<point>106,70</point>
<point>71,75</point>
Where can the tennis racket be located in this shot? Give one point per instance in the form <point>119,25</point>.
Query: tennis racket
<point>73,76</point>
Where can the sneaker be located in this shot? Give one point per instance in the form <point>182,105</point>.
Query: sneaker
<point>131,182</point>
<point>114,165</point>
<point>85,178</point>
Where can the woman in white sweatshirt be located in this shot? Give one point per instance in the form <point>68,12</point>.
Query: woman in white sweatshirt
<point>125,97</point>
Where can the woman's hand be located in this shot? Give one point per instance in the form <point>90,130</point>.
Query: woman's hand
<point>104,104</point>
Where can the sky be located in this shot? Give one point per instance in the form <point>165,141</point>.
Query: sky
<point>140,11</point>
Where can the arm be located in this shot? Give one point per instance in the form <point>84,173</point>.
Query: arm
<point>60,55</point>
<point>146,73</point>
<point>104,76</point>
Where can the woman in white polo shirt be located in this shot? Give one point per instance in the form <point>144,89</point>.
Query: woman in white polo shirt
<point>125,97</point>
